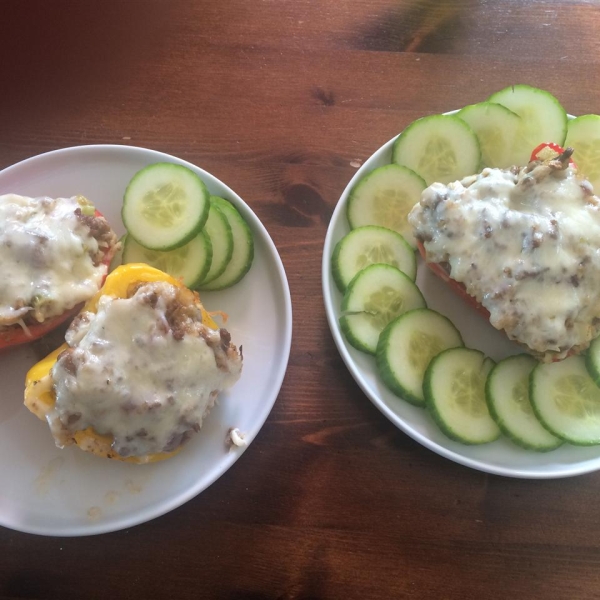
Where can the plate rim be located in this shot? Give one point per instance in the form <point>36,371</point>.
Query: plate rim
<point>168,505</point>
<point>574,469</point>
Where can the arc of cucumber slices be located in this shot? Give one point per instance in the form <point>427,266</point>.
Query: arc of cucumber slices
<point>175,225</point>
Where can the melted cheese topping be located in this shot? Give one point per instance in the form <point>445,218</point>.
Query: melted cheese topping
<point>131,379</point>
<point>528,251</point>
<point>45,253</point>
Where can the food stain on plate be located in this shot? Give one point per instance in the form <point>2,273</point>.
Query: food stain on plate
<point>94,513</point>
<point>136,486</point>
<point>48,475</point>
<point>111,497</point>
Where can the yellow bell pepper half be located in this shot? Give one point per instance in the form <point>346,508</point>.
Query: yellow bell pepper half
<point>39,388</point>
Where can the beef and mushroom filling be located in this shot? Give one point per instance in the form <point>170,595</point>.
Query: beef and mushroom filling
<point>51,252</point>
<point>525,242</point>
<point>142,369</point>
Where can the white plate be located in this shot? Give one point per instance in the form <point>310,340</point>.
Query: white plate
<point>501,457</point>
<point>67,492</point>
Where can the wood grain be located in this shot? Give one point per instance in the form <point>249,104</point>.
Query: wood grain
<point>281,99</point>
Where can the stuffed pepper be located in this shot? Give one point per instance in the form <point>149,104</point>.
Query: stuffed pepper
<point>54,255</point>
<point>523,246</point>
<point>142,366</point>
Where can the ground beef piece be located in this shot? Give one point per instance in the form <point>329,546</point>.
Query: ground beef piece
<point>100,230</point>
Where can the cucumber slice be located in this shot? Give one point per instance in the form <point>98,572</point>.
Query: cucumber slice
<point>543,119</point>
<point>385,197</point>
<point>218,229</point>
<point>507,395</point>
<point>583,135</point>
<point>495,127</point>
<point>438,148</point>
<point>190,262</point>
<point>368,246</point>
<point>567,401</point>
<point>407,345</point>
<point>376,296</point>
<point>165,206</point>
<point>243,248</point>
<point>454,390</point>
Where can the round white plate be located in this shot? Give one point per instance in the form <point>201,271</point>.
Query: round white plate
<point>501,457</point>
<point>67,492</point>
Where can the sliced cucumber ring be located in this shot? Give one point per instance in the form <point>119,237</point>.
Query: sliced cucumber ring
<point>507,395</point>
<point>567,401</point>
<point>543,119</point>
<point>384,197</point>
<point>583,135</point>
<point>406,347</point>
<point>439,148</point>
<point>454,390</point>
<point>218,229</point>
<point>243,248</point>
<point>368,246</point>
<point>190,262</point>
<point>495,127</point>
<point>376,296</point>
<point>165,206</point>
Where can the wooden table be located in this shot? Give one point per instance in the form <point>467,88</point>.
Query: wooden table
<point>282,100</point>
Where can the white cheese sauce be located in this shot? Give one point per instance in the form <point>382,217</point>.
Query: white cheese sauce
<point>530,254</point>
<point>46,257</point>
<point>133,380</point>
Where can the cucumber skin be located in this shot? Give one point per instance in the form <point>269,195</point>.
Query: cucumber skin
<point>501,424</point>
<point>540,418</point>
<point>346,329</point>
<point>386,372</point>
<point>230,251</point>
<point>206,269</point>
<point>335,272</point>
<point>593,368</point>
<point>209,287</point>
<point>343,321</point>
<point>188,237</point>
<point>430,403</point>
